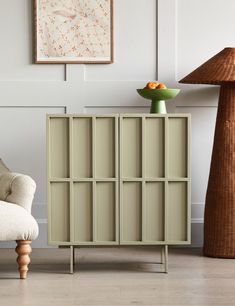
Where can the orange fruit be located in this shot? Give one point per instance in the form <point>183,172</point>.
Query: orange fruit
<point>161,86</point>
<point>156,82</point>
<point>152,85</point>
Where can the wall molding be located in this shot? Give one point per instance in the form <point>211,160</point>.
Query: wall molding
<point>41,221</point>
<point>196,106</point>
<point>197,220</point>
<point>33,106</point>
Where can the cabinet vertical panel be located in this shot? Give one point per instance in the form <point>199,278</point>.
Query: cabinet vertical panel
<point>154,211</point>
<point>105,212</point>
<point>154,141</point>
<point>82,199</point>
<point>177,211</point>
<point>59,147</point>
<point>131,147</point>
<point>82,147</point>
<point>178,147</point>
<point>131,212</point>
<point>105,147</point>
<point>59,212</point>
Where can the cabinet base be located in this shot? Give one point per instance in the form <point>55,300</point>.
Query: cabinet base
<point>164,258</point>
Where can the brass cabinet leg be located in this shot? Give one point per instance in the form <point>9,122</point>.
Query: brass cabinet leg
<point>23,250</point>
<point>71,259</point>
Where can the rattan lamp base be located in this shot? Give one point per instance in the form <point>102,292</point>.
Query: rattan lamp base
<point>219,223</point>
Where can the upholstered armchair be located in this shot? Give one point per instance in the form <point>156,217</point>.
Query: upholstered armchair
<point>16,222</point>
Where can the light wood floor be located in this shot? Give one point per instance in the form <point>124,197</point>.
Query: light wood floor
<point>125,276</point>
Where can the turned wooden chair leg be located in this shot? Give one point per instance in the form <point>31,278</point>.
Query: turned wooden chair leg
<point>23,250</point>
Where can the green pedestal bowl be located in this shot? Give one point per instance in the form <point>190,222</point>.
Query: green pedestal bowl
<point>158,97</point>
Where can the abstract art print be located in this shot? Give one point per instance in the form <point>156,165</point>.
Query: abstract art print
<point>73,31</point>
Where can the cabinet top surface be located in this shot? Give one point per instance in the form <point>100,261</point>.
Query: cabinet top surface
<point>120,115</point>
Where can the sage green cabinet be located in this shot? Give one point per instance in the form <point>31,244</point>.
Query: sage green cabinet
<point>118,179</point>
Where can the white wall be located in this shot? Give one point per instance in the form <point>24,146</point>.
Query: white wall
<point>189,32</point>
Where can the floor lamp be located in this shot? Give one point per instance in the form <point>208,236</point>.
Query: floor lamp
<point>219,219</point>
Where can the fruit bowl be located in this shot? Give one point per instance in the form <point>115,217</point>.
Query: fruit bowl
<point>158,97</point>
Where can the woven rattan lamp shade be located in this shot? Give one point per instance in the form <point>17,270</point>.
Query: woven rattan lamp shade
<point>217,70</point>
<point>219,219</point>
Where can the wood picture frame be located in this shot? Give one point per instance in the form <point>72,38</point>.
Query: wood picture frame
<point>73,32</point>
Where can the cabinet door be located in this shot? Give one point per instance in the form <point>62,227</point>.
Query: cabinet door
<point>154,179</point>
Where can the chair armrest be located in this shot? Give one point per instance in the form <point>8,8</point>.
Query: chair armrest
<point>18,189</point>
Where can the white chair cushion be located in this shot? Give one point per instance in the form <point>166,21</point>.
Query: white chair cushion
<point>16,223</point>
<point>17,188</point>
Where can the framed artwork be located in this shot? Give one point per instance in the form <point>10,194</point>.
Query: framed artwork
<point>73,31</point>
